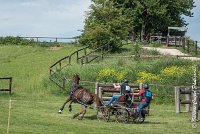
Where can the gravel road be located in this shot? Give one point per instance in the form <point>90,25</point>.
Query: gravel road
<point>172,51</point>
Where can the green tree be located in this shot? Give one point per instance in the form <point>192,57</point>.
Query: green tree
<point>105,24</point>
<point>151,16</point>
<point>111,21</point>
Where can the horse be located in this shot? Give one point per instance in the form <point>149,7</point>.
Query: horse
<point>82,96</point>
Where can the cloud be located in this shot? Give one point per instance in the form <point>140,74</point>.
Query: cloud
<point>42,17</point>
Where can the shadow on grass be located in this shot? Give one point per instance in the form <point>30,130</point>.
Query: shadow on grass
<point>93,117</point>
<point>149,122</point>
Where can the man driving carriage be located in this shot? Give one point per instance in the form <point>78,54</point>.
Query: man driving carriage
<point>125,89</point>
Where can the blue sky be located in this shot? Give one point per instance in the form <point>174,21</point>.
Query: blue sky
<point>58,18</point>
<point>194,23</point>
<point>54,18</point>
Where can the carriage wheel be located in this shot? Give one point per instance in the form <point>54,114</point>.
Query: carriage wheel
<point>103,113</point>
<point>122,115</point>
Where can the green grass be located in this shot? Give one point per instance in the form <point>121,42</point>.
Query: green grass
<point>42,117</point>
<point>29,67</point>
<point>36,100</point>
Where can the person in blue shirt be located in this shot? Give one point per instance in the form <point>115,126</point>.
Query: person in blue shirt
<point>146,97</point>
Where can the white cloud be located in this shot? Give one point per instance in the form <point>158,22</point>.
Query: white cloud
<point>42,17</point>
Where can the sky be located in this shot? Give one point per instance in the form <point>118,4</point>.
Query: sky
<point>47,18</point>
<point>194,22</point>
<point>59,18</point>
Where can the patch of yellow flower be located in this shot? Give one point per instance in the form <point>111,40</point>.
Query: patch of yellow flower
<point>147,77</point>
<point>111,75</point>
<point>175,71</point>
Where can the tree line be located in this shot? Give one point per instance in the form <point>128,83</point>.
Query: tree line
<point>112,21</point>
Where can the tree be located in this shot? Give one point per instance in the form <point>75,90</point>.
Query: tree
<point>151,16</point>
<point>111,21</point>
<point>105,24</point>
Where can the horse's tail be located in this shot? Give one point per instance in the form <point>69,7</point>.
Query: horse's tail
<point>97,100</point>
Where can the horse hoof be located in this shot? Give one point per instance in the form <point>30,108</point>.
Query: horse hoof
<point>80,118</point>
<point>60,111</point>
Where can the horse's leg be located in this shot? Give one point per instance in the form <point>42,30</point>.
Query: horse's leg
<point>83,112</point>
<point>70,106</point>
<point>67,100</point>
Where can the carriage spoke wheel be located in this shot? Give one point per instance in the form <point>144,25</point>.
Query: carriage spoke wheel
<point>103,113</point>
<point>122,115</point>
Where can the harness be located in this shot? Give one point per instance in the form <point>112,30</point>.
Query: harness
<point>83,100</point>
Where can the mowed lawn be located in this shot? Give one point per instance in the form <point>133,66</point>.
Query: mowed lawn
<point>41,117</point>
<point>35,101</point>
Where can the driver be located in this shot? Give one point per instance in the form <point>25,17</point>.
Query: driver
<point>125,88</point>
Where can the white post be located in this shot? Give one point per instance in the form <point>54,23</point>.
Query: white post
<point>97,88</point>
<point>177,99</point>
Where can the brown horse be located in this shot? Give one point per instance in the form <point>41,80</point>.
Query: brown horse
<point>82,96</point>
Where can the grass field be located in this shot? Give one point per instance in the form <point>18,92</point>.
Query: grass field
<point>35,117</point>
<point>35,101</point>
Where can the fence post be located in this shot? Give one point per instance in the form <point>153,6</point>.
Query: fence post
<point>63,83</point>
<point>188,49</point>
<point>175,41</point>
<point>97,88</point>
<point>77,57</point>
<point>70,58</point>
<point>177,99</point>
<point>141,86</point>
<point>183,43</point>
<point>10,85</point>
<point>60,64</point>
<point>100,93</point>
<point>187,106</point>
<point>167,41</point>
<point>196,52</point>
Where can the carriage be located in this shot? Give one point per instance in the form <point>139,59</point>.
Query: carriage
<point>123,112</point>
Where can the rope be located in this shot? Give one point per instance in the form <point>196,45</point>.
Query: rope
<point>9,113</point>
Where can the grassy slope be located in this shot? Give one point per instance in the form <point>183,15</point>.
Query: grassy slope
<point>29,68</point>
<point>36,105</point>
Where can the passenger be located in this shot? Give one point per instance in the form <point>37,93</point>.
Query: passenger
<point>146,97</point>
<point>125,88</point>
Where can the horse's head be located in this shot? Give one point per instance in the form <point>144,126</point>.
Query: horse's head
<point>75,79</point>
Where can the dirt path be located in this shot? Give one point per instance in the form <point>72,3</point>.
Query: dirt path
<point>172,51</point>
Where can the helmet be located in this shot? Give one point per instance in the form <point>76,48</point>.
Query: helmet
<point>146,86</point>
<point>125,81</point>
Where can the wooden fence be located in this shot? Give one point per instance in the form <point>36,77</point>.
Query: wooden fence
<point>186,94</point>
<point>82,56</point>
<point>177,41</point>
<point>169,40</point>
<point>8,86</point>
<point>49,39</point>
<point>106,91</point>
